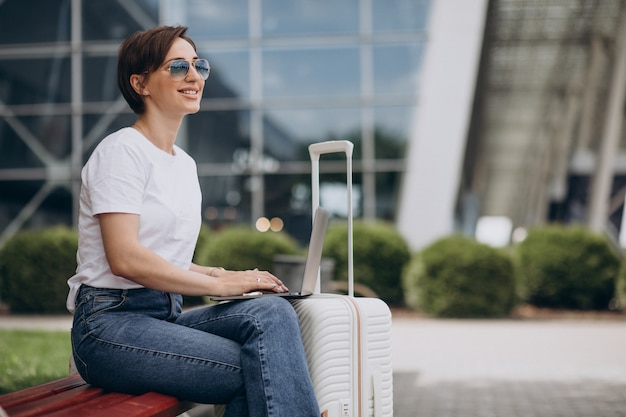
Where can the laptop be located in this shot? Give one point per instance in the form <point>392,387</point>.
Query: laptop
<point>311,266</point>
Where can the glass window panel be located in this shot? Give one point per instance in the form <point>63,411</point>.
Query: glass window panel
<point>333,193</point>
<point>18,193</point>
<point>55,209</point>
<point>95,130</point>
<point>14,195</point>
<point>311,72</point>
<point>305,17</point>
<point>48,21</point>
<point>400,15</point>
<point>35,80</point>
<point>392,131</point>
<point>115,20</point>
<point>288,133</point>
<point>229,76</point>
<point>226,200</point>
<point>100,79</point>
<point>211,19</point>
<point>14,152</point>
<point>220,137</point>
<point>288,197</point>
<point>53,133</point>
<point>396,69</point>
<point>387,194</point>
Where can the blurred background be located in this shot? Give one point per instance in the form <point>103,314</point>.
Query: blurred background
<point>500,120</point>
<point>486,117</point>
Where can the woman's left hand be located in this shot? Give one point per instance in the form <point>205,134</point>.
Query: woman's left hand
<point>255,279</point>
<point>240,282</point>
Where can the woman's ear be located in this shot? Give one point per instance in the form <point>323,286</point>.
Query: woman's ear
<point>136,81</point>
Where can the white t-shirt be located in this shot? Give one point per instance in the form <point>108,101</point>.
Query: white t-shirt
<point>128,174</point>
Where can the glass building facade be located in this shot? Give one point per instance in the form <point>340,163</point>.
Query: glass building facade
<point>284,74</point>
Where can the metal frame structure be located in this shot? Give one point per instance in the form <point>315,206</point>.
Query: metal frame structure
<point>64,173</point>
<point>546,141</point>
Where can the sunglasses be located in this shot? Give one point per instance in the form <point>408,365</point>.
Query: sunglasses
<point>179,68</point>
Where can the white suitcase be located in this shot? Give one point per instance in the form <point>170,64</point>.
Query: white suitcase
<point>347,339</point>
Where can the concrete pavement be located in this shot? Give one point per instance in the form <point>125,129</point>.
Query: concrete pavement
<point>492,368</point>
<point>509,368</point>
<point>36,322</point>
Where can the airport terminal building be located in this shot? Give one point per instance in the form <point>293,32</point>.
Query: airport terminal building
<point>478,116</point>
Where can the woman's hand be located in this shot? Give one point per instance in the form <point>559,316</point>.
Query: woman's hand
<point>241,282</point>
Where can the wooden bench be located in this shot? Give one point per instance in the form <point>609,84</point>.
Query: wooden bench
<point>73,397</point>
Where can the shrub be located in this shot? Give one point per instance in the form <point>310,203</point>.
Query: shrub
<point>380,255</point>
<point>204,237</point>
<point>459,277</point>
<point>567,267</point>
<point>242,248</point>
<point>620,289</point>
<point>35,266</point>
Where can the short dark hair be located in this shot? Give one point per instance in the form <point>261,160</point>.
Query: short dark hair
<point>144,52</point>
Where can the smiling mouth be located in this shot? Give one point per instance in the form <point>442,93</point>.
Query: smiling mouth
<point>192,92</point>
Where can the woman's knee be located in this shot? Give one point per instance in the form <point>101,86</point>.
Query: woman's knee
<point>278,311</point>
<point>279,306</point>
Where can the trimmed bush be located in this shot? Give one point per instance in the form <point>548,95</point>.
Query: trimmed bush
<point>459,277</point>
<point>204,237</point>
<point>567,267</point>
<point>242,248</point>
<point>380,255</point>
<point>35,266</point>
<point>620,289</point>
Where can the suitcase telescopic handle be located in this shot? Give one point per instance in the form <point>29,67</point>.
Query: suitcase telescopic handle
<point>331,146</point>
<point>315,151</point>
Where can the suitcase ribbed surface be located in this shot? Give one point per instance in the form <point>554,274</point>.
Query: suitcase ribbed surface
<point>378,346</point>
<point>328,337</point>
<point>331,327</point>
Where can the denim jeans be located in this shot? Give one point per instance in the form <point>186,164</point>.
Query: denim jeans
<point>247,354</point>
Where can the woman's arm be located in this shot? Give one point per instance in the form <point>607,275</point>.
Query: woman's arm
<point>214,271</point>
<point>128,258</point>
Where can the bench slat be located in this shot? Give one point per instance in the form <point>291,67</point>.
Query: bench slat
<point>125,405</point>
<point>48,389</point>
<point>151,404</point>
<point>93,407</point>
<point>49,404</point>
<point>73,397</point>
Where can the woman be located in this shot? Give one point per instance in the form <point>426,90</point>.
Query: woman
<point>138,224</point>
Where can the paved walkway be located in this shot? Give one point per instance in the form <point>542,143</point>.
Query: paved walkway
<point>498,368</point>
<point>509,368</point>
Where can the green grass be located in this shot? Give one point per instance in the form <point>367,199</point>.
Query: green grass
<point>32,357</point>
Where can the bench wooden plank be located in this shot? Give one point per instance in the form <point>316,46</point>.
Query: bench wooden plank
<point>93,406</point>
<point>73,397</point>
<point>48,389</point>
<point>147,405</point>
<point>116,404</point>
<point>50,404</point>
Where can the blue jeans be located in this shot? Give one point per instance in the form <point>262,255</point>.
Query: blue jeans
<point>248,354</point>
